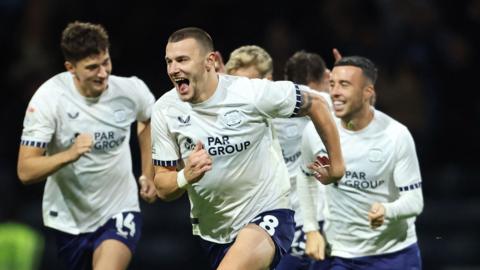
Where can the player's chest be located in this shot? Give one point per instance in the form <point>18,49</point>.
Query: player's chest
<point>108,123</point>
<point>369,160</point>
<point>223,131</point>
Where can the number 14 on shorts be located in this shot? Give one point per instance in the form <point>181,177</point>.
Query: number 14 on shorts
<point>125,225</point>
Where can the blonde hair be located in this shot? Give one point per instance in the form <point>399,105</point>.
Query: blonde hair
<point>250,55</point>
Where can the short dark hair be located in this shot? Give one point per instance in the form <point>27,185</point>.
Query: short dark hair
<point>366,65</point>
<point>83,39</point>
<point>304,67</point>
<point>196,33</point>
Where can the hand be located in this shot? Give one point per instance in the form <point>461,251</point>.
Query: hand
<point>376,215</point>
<point>147,189</point>
<point>197,164</point>
<point>219,65</point>
<point>315,245</point>
<point>321,168</point>
<point>336,55</point>
<point>82,144</point>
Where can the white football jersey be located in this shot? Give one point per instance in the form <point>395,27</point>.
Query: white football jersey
<point>289,133</point>
<point>83,195</point>
<point>381,163</point>
<point>248,175</point>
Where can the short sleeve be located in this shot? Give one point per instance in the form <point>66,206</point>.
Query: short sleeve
<point>39,122</point>
<point>165,150</point>
<point>277,99</point>
<point>145,100</point>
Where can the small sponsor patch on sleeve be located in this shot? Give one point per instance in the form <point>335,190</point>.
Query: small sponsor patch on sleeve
<point>411,187</point>
<point>33,143</point>
<point>165,163</point>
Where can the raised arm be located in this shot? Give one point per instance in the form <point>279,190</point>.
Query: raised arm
<point>34,166</point>
<point>316,107</point>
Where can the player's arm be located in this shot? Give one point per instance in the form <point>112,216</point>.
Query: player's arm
<point>315,245</point>
<point>165,177</point>
<point>34,166</point>
<point>409,204</point>
<point>316,107</point>
<point>407,178</point>
<point>147,187</point>
<point>307,189</point>
<point>309,196</point>
<point>166,183</point>
<point>336,54</point>
<point>171,184</point>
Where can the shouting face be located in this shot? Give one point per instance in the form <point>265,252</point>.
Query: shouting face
<point>188,65</point>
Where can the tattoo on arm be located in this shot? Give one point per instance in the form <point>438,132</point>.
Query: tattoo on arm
<point>305,104</point>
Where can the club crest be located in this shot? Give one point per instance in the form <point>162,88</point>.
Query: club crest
<point>375,155</point>
<point>120,115</point>
<point>233,118</point>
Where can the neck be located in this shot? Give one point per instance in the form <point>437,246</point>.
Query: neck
<point>209,86</point>
<point>359,120</point>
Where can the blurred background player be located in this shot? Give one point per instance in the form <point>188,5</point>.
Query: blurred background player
<point>235,177</point>
<point>250,61</point>
<point>309,69</point>
<point>370,213</point>
<point>76,132</point>
<point>303,68</point>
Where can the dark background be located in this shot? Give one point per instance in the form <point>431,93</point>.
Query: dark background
<point>427,53</point>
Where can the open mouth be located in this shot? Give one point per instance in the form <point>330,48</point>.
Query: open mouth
<point>182,84</point>
<point>99,84</point>
<point>338,105</point>
<point>181,81</point>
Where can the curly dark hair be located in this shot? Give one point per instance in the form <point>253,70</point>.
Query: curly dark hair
<point>82,39</point>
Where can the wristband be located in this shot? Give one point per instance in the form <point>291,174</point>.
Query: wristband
<point>181,180</point>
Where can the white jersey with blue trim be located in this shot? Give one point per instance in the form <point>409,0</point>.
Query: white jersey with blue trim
<point>381,164</point>
<point>248,175</point>
<point>289,133</point>
<point>83,195</point>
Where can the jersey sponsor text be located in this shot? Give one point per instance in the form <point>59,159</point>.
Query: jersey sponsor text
<point>222,146</point>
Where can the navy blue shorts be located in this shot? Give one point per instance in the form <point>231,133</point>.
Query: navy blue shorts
<point>278,223</point>
<point>76,251</point>
<point>296,259</point>
<point>406,259</point>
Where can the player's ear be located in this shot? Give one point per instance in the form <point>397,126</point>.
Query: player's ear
<point>269,77</point>
<point>370,94</point>
<point>210,61</point>
<point>70,67</point>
